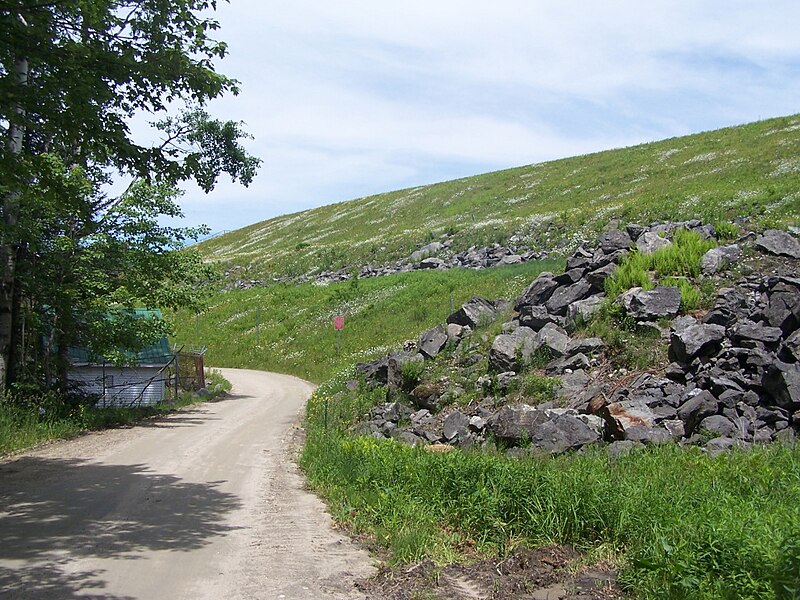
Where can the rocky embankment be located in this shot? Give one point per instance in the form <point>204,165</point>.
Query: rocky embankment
<point>733,379</point>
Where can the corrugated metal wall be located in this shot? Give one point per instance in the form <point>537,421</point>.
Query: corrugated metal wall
<point>140,386</point>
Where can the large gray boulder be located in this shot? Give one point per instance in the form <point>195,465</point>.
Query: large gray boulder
<point>662,302</point>
<point>718,259</point>
<point>699,405</point>
<point>650,241</point>
<point>512,351</point>
<point>584,310</point>
<point>426,251</point>
<point>621,416</point>
<point>537,316</point>
<point>394,375</point>
<point>514,422</point>
<point>783,309</point>
<point>779,243</point>
<point>432,341</point>
<point>614,240</point>
<point>695,340</point>
<point>538,292</point>
<point>562,432</point>
<point>554,339</point>
<point>782,381</point>
<point>563,296</point>
<point>455,426</point>
<point>477,311</point>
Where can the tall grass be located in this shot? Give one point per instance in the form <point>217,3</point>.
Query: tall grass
<point>683,524</point>
<point>672,265</point>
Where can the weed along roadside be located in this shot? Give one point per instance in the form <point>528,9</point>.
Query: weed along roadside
<point>666,450</point>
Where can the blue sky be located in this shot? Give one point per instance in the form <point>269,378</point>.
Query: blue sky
<point>357,97</point>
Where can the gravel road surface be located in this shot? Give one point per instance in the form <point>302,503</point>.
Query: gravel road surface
<point>204,503</point>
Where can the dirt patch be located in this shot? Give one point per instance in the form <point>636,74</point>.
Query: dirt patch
<point>543,574</point>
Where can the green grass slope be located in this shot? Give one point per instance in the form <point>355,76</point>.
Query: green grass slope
<point>288,328</point>
<point>752,169</point>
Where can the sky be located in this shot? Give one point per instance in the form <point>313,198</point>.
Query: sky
<point>357,97</point>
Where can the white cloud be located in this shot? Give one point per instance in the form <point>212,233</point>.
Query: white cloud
<point>356,96</point>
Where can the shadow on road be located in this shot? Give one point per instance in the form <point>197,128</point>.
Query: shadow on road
<point>52,509</point>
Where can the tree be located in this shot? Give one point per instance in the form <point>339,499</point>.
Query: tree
<point>72,75</point>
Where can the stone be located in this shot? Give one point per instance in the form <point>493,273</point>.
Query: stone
<point>562,433</point>
<point>375,372</point>
<point>620,416</point>
<point>422,416</point>
<point>514,422</point>
<point>477,311</point>
<point>432,341</point>
<point>783,309</point>
<point>598,277</point>
<point>719,445</point>
<point>431,263</point>
<point>455,332</point>
<point>791,347</point>
<point>634,230</point>
<point>648,435</point>
<point>614,240</point>
<point>779,243</point>
<point>506,380</point>
<point>408,438</point>
<point>747,330</point>
<point>720,258</point>
<point>567,363</point>
<point>782,382</point>
<point>562,297</point>
<point>394,375</point>
<point>510,259</point>
<point>569,277</point>
<point>650,241</point>
<point>536,316</point>
<point>426,395</point>
<point>694,341</point>
<point>554,339</point>
<point>586,346</point>
<point>511,351</point>
<point>477,424</point>
<point>426,251</point>
<point>582,311</point>
<point>719,426</point>
<point>699,405</point>
<point>455,425</point>
<point>621,448</point>
<point>675,427</point>
<point>538,292</point>
<point>661,302</point>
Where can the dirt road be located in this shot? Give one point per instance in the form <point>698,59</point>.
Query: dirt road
<point>205,503</point>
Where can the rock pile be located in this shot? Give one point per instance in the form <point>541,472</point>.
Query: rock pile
<point>734,379</point>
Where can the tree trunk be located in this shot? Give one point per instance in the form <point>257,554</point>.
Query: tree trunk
<point>8,244</point>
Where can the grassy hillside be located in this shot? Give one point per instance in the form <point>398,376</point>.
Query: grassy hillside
<point>288,328</point>
<point>751,170</point>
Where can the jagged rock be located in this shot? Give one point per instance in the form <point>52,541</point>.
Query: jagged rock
<point>576,389</point>
<point>510,259</point>
<point>426,251</point>
<point>747,330</point>
<point>432,341</point>
<point>783,309</point>
<point>477,311</point>
<point>791,347</point>
<point>561,433</point>
<point>583,310</point>
<point>477,424</point>
<point>538,292</point>
<point>375,372</point>
<point>634,230</point>
<point>699,405</point>
<point>651,436</point>
<point>719,445</point>
<point>407,437</point>
<point>779,243</point>
<point>586,346</point>
<point>506,380</point>
<point>663,301</point>
<point>614,240</point>
<point>598,277</point>
<point>431,263</point>
<point>567,363</point>
<point>718,259</point>
<point>695,340</point>
<point>729,306</point>
<point>554,339</point>
<point>422,417</point>
<point>562,297</point>
<point>455,332</point>
<point>620,416</point>
<point>394,375</point>
<point>675,427</point>
<point>426,395</point>
<point>536,316</point>
<point>719,426</point>
<point>455,425</point>
<point>514,422</point>
<point>510,351</point>
<point>649,242</point>
<point>569,277</point>
<point>620,448</point>
<point>782,381</point>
